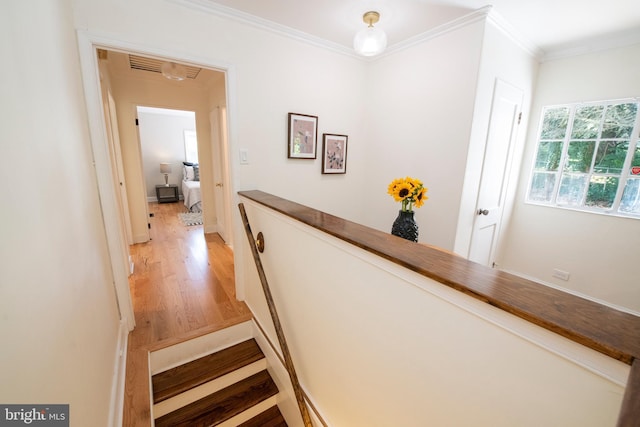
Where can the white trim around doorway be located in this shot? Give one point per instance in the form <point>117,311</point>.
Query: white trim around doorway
<point>88,42</point>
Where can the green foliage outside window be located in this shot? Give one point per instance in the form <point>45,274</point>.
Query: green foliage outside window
<point>588,157</point>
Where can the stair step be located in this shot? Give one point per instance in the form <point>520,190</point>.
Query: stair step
<point>177,380</point>
<point>196,393</point>
<point>272,417</point>
<point>222,405</point>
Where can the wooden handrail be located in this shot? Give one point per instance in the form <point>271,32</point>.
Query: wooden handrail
<point>304,412</point>
<point>630,412</point>
<point>602,328</point>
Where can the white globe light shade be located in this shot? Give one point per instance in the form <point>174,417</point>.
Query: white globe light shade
<point>370,41</point>
<point>173,71</point>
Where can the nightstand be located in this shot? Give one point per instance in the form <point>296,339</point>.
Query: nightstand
<point>167,194</point>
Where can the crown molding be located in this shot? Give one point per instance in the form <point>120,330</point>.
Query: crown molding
<point>264,24</point>
<point>468,19</point>
<point>486,13</point>
<point>593,45</point>
<point>283,30</point>
<point>512,33</point>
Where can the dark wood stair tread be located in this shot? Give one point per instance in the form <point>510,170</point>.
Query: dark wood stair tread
<point>222,405</point>
<point>269,418</point>
<point>185,377</point>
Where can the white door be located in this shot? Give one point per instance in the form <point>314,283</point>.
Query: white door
<point>113,139</point>
<point>503,127</point>
<point>218,137</point>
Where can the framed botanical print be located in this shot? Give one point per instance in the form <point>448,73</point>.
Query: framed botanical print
<point>303,135</point>
<point>334,153</point>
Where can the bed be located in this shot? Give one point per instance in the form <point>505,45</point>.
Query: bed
<point>191,188</point>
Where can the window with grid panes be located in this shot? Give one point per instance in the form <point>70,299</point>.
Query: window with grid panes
<point>588,158</point>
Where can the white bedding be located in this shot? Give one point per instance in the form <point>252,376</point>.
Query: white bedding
<point>192,196</point>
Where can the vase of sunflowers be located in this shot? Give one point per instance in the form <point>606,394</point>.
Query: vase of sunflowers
<point>412,194</point>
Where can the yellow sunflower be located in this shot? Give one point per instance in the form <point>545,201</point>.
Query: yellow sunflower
<point>420,197</point>
<point>415,183</point>
<point>410,191</point>
<point>402,191</point>
<point>392,186</point>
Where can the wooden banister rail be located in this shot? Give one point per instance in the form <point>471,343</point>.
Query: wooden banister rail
<point>304,412</point>
<point>596,326</point>
<point>630,412</point>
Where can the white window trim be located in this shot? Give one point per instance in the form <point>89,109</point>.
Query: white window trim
<point>190,137</point>
<point>634,141</point>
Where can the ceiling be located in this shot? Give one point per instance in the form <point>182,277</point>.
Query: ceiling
<point>125,65</point>
<point>544,25</point>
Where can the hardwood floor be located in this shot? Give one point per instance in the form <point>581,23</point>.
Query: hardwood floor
<point>182,287</point>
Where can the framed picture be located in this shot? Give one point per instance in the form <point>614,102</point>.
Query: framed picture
<point>334,153</point>
<point>303,136</point>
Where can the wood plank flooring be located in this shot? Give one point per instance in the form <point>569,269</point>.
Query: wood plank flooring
<point>182,287</point>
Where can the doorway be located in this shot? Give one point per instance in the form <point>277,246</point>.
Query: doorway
<point>138,80</point>
<point>93,79</point>
<point>494,180</point>
<point>168,143</point>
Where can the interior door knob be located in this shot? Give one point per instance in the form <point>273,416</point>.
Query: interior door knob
<point>218,184</point>
<point>483,212</point>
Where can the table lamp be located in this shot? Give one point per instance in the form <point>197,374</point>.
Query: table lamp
<point>165,168</point>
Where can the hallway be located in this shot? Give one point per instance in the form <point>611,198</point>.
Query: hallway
<point>182,287</point>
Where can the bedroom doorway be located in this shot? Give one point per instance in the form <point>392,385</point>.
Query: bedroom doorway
<point>137,80</point>
<point>169,152</point>
<point>109,64</point>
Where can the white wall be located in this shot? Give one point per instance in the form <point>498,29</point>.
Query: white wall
<point>58,315</point>
<point>377,345</point>
<point>270,75</point>
<point>416,122</point>
<point>162,141</point>
<point>599,251</point>
<point>419,124</point>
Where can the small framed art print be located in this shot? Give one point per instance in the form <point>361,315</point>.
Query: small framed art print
<point>334,153</point>
<point>303,135</point>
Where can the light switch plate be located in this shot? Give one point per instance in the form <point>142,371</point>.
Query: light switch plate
<point>244,156</point>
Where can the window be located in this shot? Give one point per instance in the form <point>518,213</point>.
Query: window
<point>190,146</point>
<point>588,158</point>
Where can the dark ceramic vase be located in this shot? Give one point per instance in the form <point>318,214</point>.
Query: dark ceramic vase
<point>405,226</point>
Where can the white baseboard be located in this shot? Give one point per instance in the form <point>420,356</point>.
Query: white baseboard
<point>140,238</point>
<point>116,407</point>
<point>154,199</point>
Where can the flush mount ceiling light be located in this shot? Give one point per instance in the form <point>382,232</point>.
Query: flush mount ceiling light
<point>370,41</point>
<point>173,71</point>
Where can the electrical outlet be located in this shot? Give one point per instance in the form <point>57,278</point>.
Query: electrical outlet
<point>560,274</point>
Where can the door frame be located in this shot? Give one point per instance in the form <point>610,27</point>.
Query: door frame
<point>499,87</point>
<point>88,42</point>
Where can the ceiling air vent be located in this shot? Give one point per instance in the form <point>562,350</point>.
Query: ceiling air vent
<point>153,65</point>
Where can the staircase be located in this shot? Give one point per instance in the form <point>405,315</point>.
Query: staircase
<point>229,388</point>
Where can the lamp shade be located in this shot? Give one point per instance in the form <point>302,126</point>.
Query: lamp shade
<point>165,167</point>
<point>370,41</point>
<point>173,71</point>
